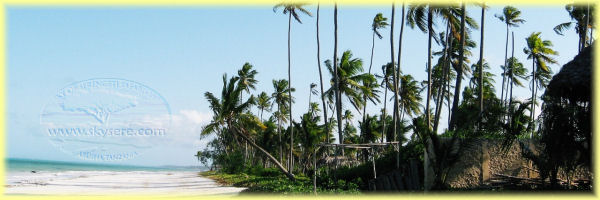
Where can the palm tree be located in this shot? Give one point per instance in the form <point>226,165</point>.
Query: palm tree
<point>394,75</point>
<point>291,9</point>
<point>379,22</point>
<point>230,114</point>
<point>321,75</point>
<point>246,82</point>
<point>516,74</point>
<point>416,16</point>
<point>441,76</point>
<point>457,86</point>
<point>246,75</point>
<point>371,129</point>
<point>510,16</point>
<point>263,103</point>
<point>582,18</point>
<point>338,98</point>
<point>387,72</point>
<point>350,136</point>
<point>349,78</point>
<point>485,78</point>
<point>451,15</point>
<point>540,52</point>
<point>369,92</point>
<point>421,15</point>
<point>282,97</point>
<point>481,59</point>
<point>397,81</point>
<point>410,98</point>
<point>311,92</point>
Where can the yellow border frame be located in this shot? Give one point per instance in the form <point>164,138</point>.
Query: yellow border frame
<point>431,195</point>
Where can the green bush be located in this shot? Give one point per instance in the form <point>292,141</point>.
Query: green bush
<point>232,163</point>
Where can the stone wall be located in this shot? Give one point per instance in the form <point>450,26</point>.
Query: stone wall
<point>484,157</point>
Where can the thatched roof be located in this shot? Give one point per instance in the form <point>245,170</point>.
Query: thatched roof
<point>341,161</point>
<point>574,79</point>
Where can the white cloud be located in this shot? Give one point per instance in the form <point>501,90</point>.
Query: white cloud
<point>186,126</point>
<point>195,116</point>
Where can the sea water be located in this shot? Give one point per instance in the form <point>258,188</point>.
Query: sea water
<point>20,172</point>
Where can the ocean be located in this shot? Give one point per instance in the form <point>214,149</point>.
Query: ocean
<point>23,172</point>
<point>28,165</point>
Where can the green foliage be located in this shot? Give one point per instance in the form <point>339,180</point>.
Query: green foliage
<point>379,22</point>
<point>361,174</point>
<point>350,78</point>
<point>270,180</point>
<point>231,163</point>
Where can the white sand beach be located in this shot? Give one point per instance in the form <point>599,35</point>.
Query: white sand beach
<point>178,183</point>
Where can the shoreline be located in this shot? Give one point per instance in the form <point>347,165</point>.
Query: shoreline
<point>180,183</point>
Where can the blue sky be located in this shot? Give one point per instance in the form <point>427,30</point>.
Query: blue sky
<point>183,52</point>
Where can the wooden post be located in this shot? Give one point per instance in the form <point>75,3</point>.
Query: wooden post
<point>315,171</point>
<point>335,163</point>
<point>373,160</point>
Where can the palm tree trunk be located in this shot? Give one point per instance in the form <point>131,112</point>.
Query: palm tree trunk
<point>440,98</point>
<point>448,65</point>
<point>265,153</point>
<point>261,114</point>
<point>512,71</point>
<point>364,113</point>
<point>245,144</point>
<point>481,62</point>
<point>321,76</point>
<point>505,63</point>
<point>279,133</point>
<point>383,117</point>
<point>399,74</point>
<point>291,158</point>
<point>532,95</point>
<point>394,76</point>
<point>336,78</point>
<point>430,33</point>
<point>459,69</point>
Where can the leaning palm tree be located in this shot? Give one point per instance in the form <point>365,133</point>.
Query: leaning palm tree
<point>281,97</point>
<point>511,17</point>
<point>540,52</point>
<point>291,9</point>
<point>379,22</point>
<point>230,114</point>
<point>263,103</point>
